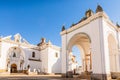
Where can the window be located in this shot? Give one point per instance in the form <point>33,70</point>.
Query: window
<point>17,40</point>
<point>56,54</point>
<point>33,54</point>
<point>15,48</point>
<point>14,55</point>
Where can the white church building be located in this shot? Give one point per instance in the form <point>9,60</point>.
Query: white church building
<point>18,55</point>
<point>95,35</point>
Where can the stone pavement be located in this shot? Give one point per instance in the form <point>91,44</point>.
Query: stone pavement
<point>35,77</point>
<point>39,79</point>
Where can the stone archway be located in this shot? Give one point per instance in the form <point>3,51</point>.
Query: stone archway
<point>97,27</point>
<point>83,42</point>
<point>13,68</point>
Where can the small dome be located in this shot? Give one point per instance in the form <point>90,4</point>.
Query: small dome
<point>43,41</point>
<point>99,9</point>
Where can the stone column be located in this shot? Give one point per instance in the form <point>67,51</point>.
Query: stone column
<point>117,63</point>
<point>90,61</point>
<point>83,64</point>
<point>8,70</point>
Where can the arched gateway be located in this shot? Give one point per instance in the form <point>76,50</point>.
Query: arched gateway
<point>99,49</point>
<point>82,41</point>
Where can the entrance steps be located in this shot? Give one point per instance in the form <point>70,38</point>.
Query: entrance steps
<point>115,75</point>
<point>18,74</point>
<point>9,74</point>
<point>85,75</point>
<point>4,73</point>
<point>82,76</point>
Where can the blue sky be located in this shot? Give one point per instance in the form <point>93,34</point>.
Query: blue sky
<point>35,19</point>
<point>76,52</point>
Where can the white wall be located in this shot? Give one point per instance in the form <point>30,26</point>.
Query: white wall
<point>44,59</point>
<point>110,28</point>
<point>33,64</point>
<point>4,51</point>
<point>63,54</point>
<point>54,62</point>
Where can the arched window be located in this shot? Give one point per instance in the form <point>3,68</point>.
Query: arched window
<point>33,54</point>
<point>56,54</point>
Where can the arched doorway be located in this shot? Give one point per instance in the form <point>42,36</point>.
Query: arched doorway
<point>82,42</point>
<point>13,68</point>
<point>113,52</point>
<point>15,55</point>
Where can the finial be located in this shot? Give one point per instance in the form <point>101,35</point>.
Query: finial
<point>117,25</point>
<point>63,28</point>
<point>89,13</point>
<point>49,42</point>
<point>99,8</point>
<point>72,25</point>
<point>17,37</point>
<point>43,40</point>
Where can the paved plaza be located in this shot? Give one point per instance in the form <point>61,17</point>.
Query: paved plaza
<point>35,77</point>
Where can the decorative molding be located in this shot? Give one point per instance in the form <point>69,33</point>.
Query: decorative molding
<point>111,24</point>
<point>17,43</point>
<point>18,40</point>
<point>85,22</point>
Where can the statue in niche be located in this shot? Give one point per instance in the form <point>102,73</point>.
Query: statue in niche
<point>28,66</point>
<point>14,55</point>
<point>21,63</point>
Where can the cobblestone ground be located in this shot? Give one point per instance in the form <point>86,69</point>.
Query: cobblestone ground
<point>37,78</point>
<point>34,77</point>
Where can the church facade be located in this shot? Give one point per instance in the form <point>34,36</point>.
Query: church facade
<point>17,55</point>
